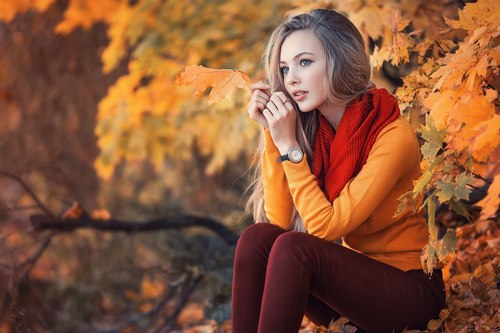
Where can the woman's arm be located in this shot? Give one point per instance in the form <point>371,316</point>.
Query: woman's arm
<point>393,153</point>
<point>278,203</point>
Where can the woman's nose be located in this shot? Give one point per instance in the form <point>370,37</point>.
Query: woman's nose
<point>292,78</point>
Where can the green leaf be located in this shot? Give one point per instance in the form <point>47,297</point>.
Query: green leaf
<point>448,244</point>
<point>424,180</point>
<point>428,257</point>
<point>460,208</point>
<point>457,190</point>
<point>461,190</point>
<point>431,210</point>
<point>444,190</point>
<point>406,201</point>
<point>434,139</point>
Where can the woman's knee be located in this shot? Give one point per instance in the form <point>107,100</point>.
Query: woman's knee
<point>290,244</point>
<point>290,241</point>
<point>258,235</point>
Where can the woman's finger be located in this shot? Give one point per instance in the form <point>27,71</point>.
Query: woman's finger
<point>261,99</point>
<point>281,108</point>
<point>273,108</point>
<point>284,99</point>
<point>260,85</point>
<point>268,115</point>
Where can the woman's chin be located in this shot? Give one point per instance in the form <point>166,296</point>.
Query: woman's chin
<point>306,109</point>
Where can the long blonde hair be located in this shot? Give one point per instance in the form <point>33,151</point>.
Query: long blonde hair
<point>347,67</point>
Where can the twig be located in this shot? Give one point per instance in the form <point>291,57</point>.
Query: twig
<point>473,224</point>
<point>437,43</point>
<point>160,304</point>
<point>477,188</point>
<point>27,267</point>
<point>169,322</point>
<point>462,168</point>
<point>31,261</point>
<point>28,190</point>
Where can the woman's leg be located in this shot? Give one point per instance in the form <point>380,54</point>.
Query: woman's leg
<point>374,296</point>
<point>250,262</point>
<point>319,312</point>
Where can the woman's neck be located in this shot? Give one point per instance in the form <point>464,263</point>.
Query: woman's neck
<point>333,113</point>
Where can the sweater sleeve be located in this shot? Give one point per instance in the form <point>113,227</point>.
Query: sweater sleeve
<point>387,162</point>
<point>278,203</point>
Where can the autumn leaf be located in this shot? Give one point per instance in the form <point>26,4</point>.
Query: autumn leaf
<point>152,288</point>
<point>100,214</point>
<point>434,324</point>
<point>222,81</point>
<point>457,190</point>
<point>10,8</point>
<point>491,202</point>
<point>448,244</point>
<point>74,212</point>
<point>434,139</point>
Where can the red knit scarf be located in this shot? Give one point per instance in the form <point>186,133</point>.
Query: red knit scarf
<point>339,156</point>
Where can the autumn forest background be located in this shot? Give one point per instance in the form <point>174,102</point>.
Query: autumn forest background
<point>124,165</point>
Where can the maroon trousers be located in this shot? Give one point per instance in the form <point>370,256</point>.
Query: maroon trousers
<point>280,276</point>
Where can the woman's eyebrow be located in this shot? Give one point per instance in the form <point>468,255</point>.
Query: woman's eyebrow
<point>298,55</point>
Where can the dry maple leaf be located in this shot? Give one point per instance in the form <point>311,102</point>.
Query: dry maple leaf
<point>222,81</point>
<point>74,212</point>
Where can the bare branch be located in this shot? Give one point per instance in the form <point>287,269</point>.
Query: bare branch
<point>28,190</point>
<point>171,320</point>
<point>42,222</point>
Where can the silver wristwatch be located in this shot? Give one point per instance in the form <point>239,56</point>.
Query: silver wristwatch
<point>294,155</point>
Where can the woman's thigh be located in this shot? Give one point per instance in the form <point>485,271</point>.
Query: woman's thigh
<point>375,296</point>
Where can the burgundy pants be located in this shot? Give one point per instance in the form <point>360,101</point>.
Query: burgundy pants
<point>281,276</point>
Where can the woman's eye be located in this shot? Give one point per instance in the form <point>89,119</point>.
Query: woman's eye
<point>305,62</point>
<point>284,70</point>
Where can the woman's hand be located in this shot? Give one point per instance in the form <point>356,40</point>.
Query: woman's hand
<point>260,97</point>
<point>282,120</point>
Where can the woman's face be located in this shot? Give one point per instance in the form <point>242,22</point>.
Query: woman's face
<point>303,66</point>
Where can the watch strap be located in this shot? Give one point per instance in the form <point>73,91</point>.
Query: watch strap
<point>282,158</point>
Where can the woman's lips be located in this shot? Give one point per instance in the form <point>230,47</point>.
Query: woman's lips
<point>300,96</point>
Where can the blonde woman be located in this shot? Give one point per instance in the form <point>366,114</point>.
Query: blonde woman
<point>335,157</point>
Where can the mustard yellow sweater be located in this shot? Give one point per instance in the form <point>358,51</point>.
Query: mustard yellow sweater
<point>362,214</point>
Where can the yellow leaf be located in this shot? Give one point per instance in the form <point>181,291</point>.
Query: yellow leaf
<point>441,105</point>
<point>490,203</point>
<point>486,141</point>
<point>85,14</point>
<point>222,81</point>
<point>100,214</point>
<point>476,14</point>
<point>470,111</point>
<point>152,288</point>
<point>485,273</point>
<point>434,324</point>
<point>10,8</point>
<point>373,19</point>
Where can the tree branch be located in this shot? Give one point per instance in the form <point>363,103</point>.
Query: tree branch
<point>28,190</point>
<point>42,222</point>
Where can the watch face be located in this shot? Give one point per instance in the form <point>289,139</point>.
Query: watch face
<point>295,155</point>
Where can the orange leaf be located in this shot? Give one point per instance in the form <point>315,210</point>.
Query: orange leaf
<point>222,81</point>
<point>73,212</point>
<point>491,202</point>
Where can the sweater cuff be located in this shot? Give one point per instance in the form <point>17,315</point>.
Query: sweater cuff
<point>269,146</point>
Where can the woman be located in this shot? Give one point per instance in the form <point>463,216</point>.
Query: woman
<point>335,157</point>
